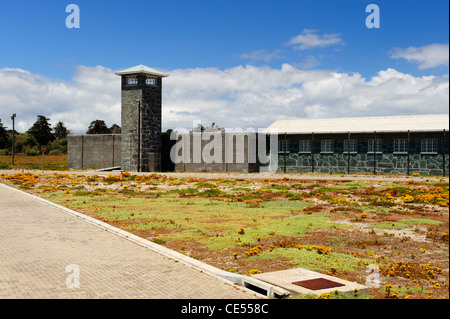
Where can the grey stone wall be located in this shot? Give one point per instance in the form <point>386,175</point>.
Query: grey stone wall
<point>364,163</point>
<point>129,128</point>
<point>361,159</point>
<point>93,151</point>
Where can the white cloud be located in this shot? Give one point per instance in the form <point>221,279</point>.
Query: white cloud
<point>428,56</point>
<point>309,39</point>
<point>93,94</point>
<point>262,55</point>
<point>309,62</point>
<point>256,96</point>
<point>242,96</point>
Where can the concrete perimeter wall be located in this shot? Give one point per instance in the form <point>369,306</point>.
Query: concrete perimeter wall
<point>93,151</point>
<point>232,155</point>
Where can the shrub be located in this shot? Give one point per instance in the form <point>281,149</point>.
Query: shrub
<point>211,192</point>
<point>32,151</point>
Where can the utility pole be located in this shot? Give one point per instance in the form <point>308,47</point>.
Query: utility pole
<point>139,137</point>
<point>13,137</point>
<point>348,152</point>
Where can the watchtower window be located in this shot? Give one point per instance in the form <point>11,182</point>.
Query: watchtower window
<point>150,81</point>
<point>132,80</point>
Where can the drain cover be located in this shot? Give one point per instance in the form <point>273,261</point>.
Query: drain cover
<point>317,284</point>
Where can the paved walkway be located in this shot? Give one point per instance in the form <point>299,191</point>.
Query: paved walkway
<point>38,242</point>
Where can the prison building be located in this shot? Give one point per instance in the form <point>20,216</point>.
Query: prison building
<point>378,145</point>
<point>388,144</point>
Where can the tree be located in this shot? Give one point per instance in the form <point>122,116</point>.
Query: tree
<point>41,131</point>
<point>98,127</point>
<point>60,130</point>
<point>3,136</point>
<point>30,141</point>
<point>198,128</point>
<point>115,129</point>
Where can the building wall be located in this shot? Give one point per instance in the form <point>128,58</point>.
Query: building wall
<point>386,161</point>
<point>103,151</point>
<point>98,151</point>
<point>364,163</point>
<point>195,148</point>
<point>93,151</point>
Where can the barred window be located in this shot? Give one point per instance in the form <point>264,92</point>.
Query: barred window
<point>375,144</point>
<point>282,146</point>
<point>304,146</point>
<point>429,146</point>
<point>353,146</point>
<point>326,146</point>
<point>288,146</point>
<point>401,146</point>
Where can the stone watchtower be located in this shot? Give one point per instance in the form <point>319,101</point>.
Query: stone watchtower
<point>141,119</point>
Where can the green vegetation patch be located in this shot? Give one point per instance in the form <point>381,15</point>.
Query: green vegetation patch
<point>214,223</point>
<point>312,260</point>
<point>420,221</point>
<point>390,225</point>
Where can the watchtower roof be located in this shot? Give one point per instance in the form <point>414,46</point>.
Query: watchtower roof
<point>141,69</point>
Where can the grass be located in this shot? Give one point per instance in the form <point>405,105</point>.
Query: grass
<point>51,162</point>
<point>390,225</point>
<point>336,295</point>
<point>312,260</point>
<point>420,221</point>
<point>200,219</point>
<point>406,223</point>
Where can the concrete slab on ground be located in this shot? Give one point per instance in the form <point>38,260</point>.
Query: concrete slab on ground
<point>285,278</point>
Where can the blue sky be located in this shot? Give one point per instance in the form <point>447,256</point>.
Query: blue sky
<point>222,35</point>
<point>212,33</point>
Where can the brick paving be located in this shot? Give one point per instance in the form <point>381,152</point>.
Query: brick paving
<point>38,242</point>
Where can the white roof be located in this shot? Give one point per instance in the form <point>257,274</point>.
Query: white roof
<point>141,69</point>
<point>437,122</point>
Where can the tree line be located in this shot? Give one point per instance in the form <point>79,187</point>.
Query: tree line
<point>41,133</point>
